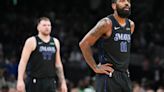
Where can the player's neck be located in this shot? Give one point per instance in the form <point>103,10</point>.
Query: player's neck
<point>45,38</point>
<point>120,20</point>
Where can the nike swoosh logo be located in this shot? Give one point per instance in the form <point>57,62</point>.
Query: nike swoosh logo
<point>116,28</point>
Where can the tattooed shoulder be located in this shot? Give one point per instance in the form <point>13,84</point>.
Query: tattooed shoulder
<point>101,27</point>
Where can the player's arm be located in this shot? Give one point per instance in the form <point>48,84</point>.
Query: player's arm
<point>59,68</point>
<point>102,27</point>
<point>29,46</point>
<point>132,26</point>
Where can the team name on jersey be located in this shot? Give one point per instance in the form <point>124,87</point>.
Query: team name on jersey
<point>122,37</point>
<point>46,49</point>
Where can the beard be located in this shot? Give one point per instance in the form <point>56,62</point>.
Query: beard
<point>122,12</point>
<point>46,32</point>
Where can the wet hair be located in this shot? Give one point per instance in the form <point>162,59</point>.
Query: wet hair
<point>42,18</point>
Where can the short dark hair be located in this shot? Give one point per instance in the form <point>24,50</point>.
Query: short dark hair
<point>114,1</point>
<point>42,18</point>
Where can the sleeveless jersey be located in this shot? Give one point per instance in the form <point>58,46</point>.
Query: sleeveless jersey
<point>42,59</point>
<point>116,48</point>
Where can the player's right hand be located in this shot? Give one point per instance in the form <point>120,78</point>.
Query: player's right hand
<point>104,69</point>
<point>20,86</point>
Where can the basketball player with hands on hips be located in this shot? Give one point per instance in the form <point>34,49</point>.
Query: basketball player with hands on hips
<point>113,34</point>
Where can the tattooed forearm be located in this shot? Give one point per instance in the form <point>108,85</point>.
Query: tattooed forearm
<point>60,73</point>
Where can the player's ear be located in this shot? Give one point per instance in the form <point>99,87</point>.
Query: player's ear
<point>114,6</point>
<point>37,27</point>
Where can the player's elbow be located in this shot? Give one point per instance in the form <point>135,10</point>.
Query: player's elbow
<point>81,44</point>
<point>84,45</point>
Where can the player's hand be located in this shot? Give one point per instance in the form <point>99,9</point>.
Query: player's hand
<point>20,86</point>
<point>63,87</point>
<point>104,69</point>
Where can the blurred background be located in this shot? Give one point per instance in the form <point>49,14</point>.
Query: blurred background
<point>71,20</point>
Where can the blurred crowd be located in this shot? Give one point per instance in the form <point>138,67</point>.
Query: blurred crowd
<point>71,20</point>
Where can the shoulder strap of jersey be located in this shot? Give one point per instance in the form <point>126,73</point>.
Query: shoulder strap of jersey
<point>114,21</point>
<point>38,41</point>
<point>128,23</point>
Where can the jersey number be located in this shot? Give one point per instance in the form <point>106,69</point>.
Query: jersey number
<point>46,56</point>
<point>123,46</point>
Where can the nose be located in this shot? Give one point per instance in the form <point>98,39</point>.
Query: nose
<point>127,3</point>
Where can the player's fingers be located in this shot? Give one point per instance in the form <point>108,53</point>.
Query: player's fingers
<point>109,64</point>
<point>109,69</point>
<point>106,72</point>
<point>102,70</point>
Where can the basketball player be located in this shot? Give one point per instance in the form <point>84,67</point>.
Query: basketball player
<point>43,53</point>
<point>114,36</point>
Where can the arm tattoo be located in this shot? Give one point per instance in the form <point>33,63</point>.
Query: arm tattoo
<point>60,73</point>
<point>96,31</point>
<point>99,28</point>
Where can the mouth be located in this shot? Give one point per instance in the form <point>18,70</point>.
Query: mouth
<point>126,8</point>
